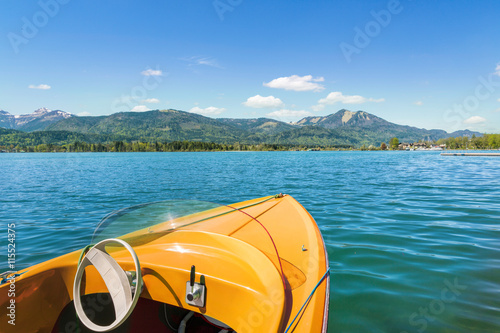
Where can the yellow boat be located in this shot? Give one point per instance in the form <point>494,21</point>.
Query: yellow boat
<point>254,266</point>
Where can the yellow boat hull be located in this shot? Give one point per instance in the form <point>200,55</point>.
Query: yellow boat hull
<point>246,288</point>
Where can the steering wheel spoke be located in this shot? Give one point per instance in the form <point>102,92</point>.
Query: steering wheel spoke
<point>116,280</point>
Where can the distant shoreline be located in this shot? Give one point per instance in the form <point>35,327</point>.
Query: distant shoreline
<point>456,151</point>
<point>488,142</point>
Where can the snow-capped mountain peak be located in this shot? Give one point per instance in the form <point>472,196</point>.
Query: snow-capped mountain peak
<point>63,114</point>
<point>41,111</point>
<point>38,120</point>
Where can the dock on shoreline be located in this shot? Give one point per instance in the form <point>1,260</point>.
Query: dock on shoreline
<point>470,154</point>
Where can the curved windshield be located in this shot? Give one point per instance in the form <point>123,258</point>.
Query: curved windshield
<point>139,219</point>
<point>141,224</point>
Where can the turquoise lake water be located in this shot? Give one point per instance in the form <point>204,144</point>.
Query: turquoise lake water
<point>413,237</point>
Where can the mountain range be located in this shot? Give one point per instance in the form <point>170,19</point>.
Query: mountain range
<point>36,121</point>
<point>343,128</point>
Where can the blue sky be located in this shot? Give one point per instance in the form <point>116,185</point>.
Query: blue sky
<point>430,64</point>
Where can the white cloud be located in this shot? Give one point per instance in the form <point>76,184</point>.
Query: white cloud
<point>419,103</point>
<point>207,62</point>
<point>283,113</point>
<point>140,108</point>
<point>337,96</point>
<point>83,114</point>
<point>152,72</point>
<point>211,110</point>
<point>474,120</point>
<point>40,86</point>
<point>259,101</point>
<point>497,71</point>
<point>498,99</point>
<point>151,100</point>
<point>199,60</point>
<point>297,83</point>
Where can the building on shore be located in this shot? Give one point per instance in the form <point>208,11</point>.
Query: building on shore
<point>419,146</point>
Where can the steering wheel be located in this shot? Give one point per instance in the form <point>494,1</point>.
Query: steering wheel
<point>116,280</point>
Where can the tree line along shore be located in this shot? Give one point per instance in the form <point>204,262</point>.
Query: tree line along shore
<point>175,146</point>
<point>487,141</point>
<point>484,142</point>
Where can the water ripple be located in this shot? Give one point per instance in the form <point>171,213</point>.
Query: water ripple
<point>400,227</point>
